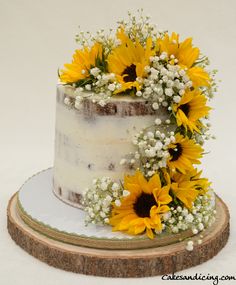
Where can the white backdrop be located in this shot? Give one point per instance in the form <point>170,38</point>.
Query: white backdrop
<point>37,37</point>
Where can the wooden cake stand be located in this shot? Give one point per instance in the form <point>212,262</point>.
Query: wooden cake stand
<point>54,233</point>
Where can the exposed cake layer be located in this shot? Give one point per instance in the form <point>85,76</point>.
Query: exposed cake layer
<point>91,141</point>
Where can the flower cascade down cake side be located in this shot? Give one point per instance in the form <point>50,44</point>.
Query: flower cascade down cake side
<point>131,120</point>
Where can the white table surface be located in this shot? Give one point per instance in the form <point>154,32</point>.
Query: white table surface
<point>36,37</point>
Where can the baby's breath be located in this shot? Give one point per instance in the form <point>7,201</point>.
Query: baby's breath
<point>199,217</point>
<point>98,200</point>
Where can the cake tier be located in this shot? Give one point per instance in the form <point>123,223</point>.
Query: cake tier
<point>90,141</point>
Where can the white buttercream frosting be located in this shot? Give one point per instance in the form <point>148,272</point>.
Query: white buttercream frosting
<point>87,148</point>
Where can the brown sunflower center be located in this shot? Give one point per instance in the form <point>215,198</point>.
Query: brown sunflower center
<point>185,108</point>
<point>143,205</point>
<point>175,152</point>
<point>130,73</point>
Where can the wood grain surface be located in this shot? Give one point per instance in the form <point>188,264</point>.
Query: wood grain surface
<point>120,263</point>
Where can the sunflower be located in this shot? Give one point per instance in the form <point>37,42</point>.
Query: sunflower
<point>201,184</point>
<point>184,153</point>
<point>141,210</point>
<point>128,61</point>
<point>190,109</point>
<point>82,61</point>
<point>182,187</point>
<point>186,55</point>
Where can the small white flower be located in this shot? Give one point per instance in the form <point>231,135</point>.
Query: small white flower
<point>106,220</point>
<point>167,141</point>
<point>115,186</point>
<point>148,90</point>
<point>179,209</point>
<point>151,152</point>
<point>112,87</point>
<point>169,92</point>
<point>102,214</point>
<point>158,121</point>
<point>150,135</point>
<point>150,173</point>
<point>189,246</point>
<point>200,226</point>
<point>102,103</point>
<point>158,145</point>
<point>159,232</point>
<point>185,212</point>
<point>175,229</point>
<point>104,186</point>
<point>195,231</point>
<point>166,216</point>
<point>163,55</point>
<point>95,71</point>
<point>138,93</point>
<point>171,220</point>
<point>181,72</point>
<point>117,203</point>
<point>88,87</point>
<point>189,218</point>
<point>176,99</point>
<point>126,193</point>
<point>155,106</point>
<point>77,105</point>
<point>165,78</point>
<point>67,101</point>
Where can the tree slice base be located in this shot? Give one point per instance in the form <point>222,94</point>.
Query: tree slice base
<point>120,263</point>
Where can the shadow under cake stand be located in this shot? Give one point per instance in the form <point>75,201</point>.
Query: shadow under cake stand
<point>54,232</point>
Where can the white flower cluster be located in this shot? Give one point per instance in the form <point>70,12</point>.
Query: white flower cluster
<point>140,27</point>
<point>106,39</point>
<point>100,90</point>
<point>205,132</point>
<point>105,84</point>
<point>165,82</point>
<point>152,150</point>
<point>98,200</point>
<point>197,219</point>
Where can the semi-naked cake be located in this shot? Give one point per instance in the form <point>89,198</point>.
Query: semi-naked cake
<point>127,191</point>
<point>92,140</point>
<point>131,120</point>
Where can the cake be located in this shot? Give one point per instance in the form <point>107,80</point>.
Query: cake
<point>127,196</point>
<point>90,142</point>
<point>132,116</point>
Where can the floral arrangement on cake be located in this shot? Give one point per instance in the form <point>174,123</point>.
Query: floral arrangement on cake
<point>165,192</point>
